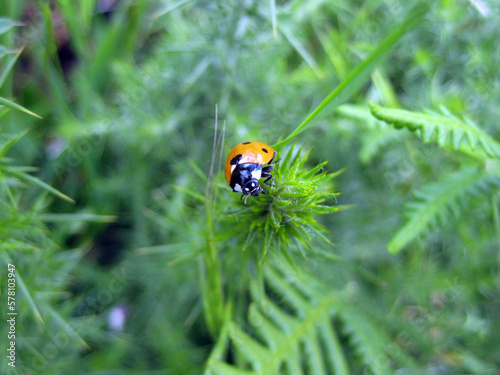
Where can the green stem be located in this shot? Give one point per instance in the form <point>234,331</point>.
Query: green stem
<point>213,301</point>
<point>358,76</point>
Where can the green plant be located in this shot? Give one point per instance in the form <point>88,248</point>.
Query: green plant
<point>45,334</point>
<point>287,214</point>
<point>7,60</point>
<point>40,273</point>
<point>270,225</point>
<point>301,326</point>
<point>127,91</point>
<point>479,175</point>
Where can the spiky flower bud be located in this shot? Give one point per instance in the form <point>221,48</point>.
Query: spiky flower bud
<point>287,214</point>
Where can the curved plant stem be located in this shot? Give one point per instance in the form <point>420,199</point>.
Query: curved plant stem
<point>211,283</point>
<point>360,74</point>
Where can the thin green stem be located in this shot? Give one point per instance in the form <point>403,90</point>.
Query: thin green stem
<point>213,301</point>
<point>361,73</point>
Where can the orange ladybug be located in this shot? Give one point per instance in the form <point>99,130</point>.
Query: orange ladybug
<point>246,164</point>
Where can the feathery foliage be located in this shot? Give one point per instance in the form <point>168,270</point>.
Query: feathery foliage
<point>357,76</point>
<point>144,273</point>
<point>445,131</point>
<point>294,329</point>
<point>7,65</point>
<point>25,243</point>
<point>436,200</point>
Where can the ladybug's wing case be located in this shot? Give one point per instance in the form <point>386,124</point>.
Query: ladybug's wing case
<point>228,167</point>
<point>258,152</point>
<point>251,152</point>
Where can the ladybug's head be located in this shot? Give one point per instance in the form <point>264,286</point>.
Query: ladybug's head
<point>245,179</point>
<point>251,187</point>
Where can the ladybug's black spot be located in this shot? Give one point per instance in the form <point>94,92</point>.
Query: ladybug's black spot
<point>236,159</point>
<point>265,150</point>
<point>246,143</point>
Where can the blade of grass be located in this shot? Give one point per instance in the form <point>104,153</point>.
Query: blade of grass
<point>191,193</point>
<point>6,24</point>
<point>331,41</point>
<point>168,7</point>
<point>55,218</point>
<point>40,183</point>
<point>120,39</point>
<point>213,305</point>
<point>49,62</point>
<point>67,327</point>
<point>222,340</point>
<point>361,73</point>
<point>87,12</point>
<point>272,4</point>
<point>6,189</point>
<point>9,65</point>
<point>76,26</point>
<point>302,51</point>
<point>4,51</point>
<point>6,146</point>
<point>29,298</point>
<point>11,104</point>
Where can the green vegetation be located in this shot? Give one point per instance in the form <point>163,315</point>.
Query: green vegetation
<point>376,249</point>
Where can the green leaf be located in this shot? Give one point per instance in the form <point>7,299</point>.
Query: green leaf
<point>333,348</point>
<point>54,218</point>
<point>36,181</point>
<point>11,104</point>
<point>217,367</point>
<point>433,201</point>
<point>7,24</point>
<point>168,7</point>
<point>7,145</point>
<point>3,51</point>
<point>274,23</point>
<point>361,73</point>
<point>67,327</point>
<point>301,50</point>
<point>29,298</point>
<point>446,131</point>
<point>292,326</point>
<point>9,66</point>
<point>368,341</point>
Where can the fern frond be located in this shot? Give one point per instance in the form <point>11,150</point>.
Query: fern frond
<point>445,131</point>
<point>434,201</point>
<point>293,332</point>
<point>376,134</point>
<point>221,368</point>
<point>368,341</point>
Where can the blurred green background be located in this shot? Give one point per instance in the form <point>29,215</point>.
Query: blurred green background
<point>127,264</point>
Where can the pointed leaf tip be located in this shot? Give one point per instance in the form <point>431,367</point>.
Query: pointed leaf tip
<point>11,104</point>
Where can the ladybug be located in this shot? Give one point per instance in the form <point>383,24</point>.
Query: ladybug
<point>246,164</point>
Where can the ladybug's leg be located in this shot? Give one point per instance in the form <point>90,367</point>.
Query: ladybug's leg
<point>266,173</point>
<point>267,170</point>
<point>269,178</point>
